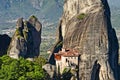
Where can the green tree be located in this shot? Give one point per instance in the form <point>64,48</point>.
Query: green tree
<point>12,69</point>
<point>40,60</point>
<point>66,75</point>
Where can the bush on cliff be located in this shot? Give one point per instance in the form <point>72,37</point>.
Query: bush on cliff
<point>81,16</point>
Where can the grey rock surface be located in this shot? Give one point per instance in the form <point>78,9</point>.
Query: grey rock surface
<point>86,26</point>
<point>26,39</point>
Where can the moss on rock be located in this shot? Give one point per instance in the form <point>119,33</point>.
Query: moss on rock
<point>60,44</point>
<point>81,16</point>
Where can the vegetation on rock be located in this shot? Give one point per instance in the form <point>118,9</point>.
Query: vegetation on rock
<point>81,16</point>
<point>26,39</point>
<point>66,75</point>
<point>33,17</point>
<point>18,32</point>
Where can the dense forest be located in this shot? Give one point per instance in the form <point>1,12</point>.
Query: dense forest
<point>12,69</point>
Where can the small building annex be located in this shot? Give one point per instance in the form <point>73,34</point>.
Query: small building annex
<point>67,58</point>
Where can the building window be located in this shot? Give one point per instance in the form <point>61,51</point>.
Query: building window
<point>66,60</point>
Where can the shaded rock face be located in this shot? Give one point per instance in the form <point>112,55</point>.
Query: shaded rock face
<point>26,39</point>
<point>58,45</point>
<point>36,34</point>
<point>4,43</point>
<point>86,26</point>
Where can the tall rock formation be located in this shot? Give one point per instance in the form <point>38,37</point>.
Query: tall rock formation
<point>86,26</point>
<point>26,39</point>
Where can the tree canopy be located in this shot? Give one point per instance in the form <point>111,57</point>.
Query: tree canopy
<point>12,69</point>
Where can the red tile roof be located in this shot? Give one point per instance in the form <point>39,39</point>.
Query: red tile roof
<point>66,53</point>
<point>57,57</point>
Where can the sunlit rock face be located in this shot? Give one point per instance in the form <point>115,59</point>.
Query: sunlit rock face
<point>86,26</point>
<point>26,39</point>
<point>75,7</point>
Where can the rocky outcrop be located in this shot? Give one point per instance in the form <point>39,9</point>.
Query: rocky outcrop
<point>36,34</point>
<point>4,43</point>
<point>26,39</point>
<point>86,26</point>
<point>50,69</point>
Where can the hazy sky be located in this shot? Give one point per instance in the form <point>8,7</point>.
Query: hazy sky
<point>114,2</point>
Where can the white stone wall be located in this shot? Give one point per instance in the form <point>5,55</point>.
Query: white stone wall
<point>63,64</point>
<point>58,65</point>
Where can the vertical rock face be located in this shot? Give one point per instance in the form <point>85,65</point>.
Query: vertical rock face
<point>36,34</point>
<point>4,43</point>
<point>86,26</point>
<point>26,39</point>
<point>75,7</point>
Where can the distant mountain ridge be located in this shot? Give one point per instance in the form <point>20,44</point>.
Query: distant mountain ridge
<point>43,9</point>
<point>12,9</point>
<point>47,11</point>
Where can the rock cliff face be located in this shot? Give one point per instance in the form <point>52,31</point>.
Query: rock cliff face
<point>4,43</point>
<point>86,26</point>
<point>26,39</point>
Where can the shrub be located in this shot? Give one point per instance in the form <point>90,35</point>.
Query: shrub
<point>18,32</point>
<point>33,17</point>
<point>60,44</point>
<point>40,60</point>
<point>81,16</point>
<point>12,69</point>
<point>66,75</point>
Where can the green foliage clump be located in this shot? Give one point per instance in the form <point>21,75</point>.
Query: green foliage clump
<point>33,17</point>
<point>81,16</point>
<point>66,75</point>
<point>25,34</point>
<point>60,44</point>
<point>26,26</point>
<point>40,60</point>
<point>18,33</point>
<point>12,69</point>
